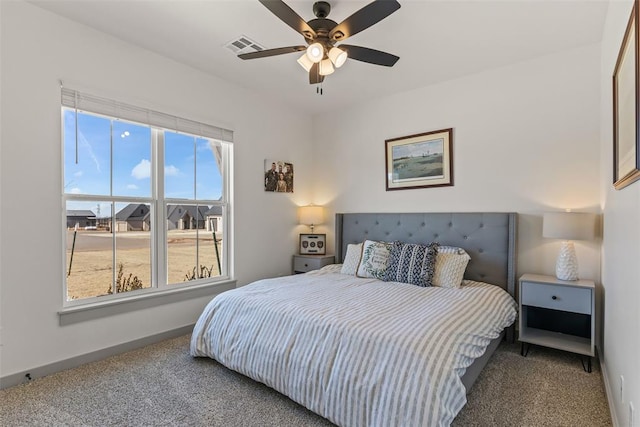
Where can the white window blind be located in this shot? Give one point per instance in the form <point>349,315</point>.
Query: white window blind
<point>94,104</point>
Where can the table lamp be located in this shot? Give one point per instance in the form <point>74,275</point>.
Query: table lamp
<point>568,226</point>
<point>311,215</point>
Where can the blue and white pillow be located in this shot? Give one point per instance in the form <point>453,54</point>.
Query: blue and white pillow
<point>412,263</point>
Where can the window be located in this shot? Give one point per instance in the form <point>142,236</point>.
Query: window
<point>146,198</point>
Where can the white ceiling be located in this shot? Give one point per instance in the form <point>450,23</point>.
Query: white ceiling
<point>435,40</point>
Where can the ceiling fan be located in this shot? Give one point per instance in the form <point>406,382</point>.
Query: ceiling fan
<point>321,35</point>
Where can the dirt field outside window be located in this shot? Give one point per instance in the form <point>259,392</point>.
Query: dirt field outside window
<point>92,266</point>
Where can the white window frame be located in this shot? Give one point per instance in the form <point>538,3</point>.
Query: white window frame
<point>158,122</point>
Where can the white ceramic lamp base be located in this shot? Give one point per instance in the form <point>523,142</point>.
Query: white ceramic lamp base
<point>567,264</point>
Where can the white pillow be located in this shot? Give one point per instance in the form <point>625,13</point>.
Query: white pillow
<point>451,262</point>
<point>352,259</point>
<point>375,259</point>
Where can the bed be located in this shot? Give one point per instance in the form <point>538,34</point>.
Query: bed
<point>364,352</point>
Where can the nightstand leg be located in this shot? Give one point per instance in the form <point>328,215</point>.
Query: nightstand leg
<point>587,368</point>
<point>522,351</point>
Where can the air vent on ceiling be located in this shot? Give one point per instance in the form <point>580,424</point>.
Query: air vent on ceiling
<point>243,44</point>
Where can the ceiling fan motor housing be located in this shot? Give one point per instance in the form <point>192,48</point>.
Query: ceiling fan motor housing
<point>322,28</point>
<point>321,25</point>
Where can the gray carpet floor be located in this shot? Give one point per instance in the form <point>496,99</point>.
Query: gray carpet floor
<point>161,385</point>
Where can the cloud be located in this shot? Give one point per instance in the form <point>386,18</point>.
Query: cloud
<point>78,174</point>
<point>171,170</point>
<point>132,187</point>
<point>142,170</point>
<point>75,190</point>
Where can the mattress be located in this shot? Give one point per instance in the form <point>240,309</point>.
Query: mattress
<point>359,352</point>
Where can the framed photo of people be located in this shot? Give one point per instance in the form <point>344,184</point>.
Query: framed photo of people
<point>313,244</point>
<point>278,176</point>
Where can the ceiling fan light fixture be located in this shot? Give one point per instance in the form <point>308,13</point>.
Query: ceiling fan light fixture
<point>315,52</point>
<point>337,56</point>
<point>305,62</point>
<point>326,67</point>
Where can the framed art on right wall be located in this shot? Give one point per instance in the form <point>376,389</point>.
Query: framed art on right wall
<point>626,135</point>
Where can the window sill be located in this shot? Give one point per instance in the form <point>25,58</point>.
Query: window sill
<point>81,313</point>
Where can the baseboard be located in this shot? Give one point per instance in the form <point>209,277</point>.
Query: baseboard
<point>608,391</point>
<point>74,362</point>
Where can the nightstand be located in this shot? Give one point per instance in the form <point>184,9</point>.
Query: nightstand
<point>558,314</point>
<point>304,263</point>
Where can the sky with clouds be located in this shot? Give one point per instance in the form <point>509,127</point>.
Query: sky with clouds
<point>418,148</point>
<point>129,151</point>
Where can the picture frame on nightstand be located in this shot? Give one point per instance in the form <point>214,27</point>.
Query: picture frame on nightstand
<point>313,244</point>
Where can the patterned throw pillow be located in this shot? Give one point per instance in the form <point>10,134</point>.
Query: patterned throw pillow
<point>451,264</point>
<point>412,263</point>
<point>352,259</point>
<point>375,258</point>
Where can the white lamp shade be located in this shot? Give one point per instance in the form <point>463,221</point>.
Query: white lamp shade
<point>326,67</point>
<point>311,215</point>
<point>305,62</point>
<point>569,225</point>
<point>337,56</point>
<point>315,52</point>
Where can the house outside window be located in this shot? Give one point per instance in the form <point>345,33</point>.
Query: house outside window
<point>147,206</point>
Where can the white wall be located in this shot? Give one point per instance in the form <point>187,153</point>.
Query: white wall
<point>525,140</point>
<point>621,244</point>
<point>38,49</point>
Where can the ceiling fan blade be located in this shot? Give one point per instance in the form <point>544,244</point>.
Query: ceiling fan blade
<point>314,75</point>
<point>364,18</point>
<point>289,17</point>
<point>371,56</point>
<point>272,52</point>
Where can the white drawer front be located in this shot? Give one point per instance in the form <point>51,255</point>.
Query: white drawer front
<point>305,264</point>
<point>565,298</point>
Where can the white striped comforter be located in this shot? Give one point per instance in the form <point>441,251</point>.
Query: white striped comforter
<point>359,352</point>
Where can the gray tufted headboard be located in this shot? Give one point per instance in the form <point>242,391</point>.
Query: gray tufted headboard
<point>489,238</point>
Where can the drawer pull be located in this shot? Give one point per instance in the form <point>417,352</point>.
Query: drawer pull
<point>307,265</point>
<point>554,297</point>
